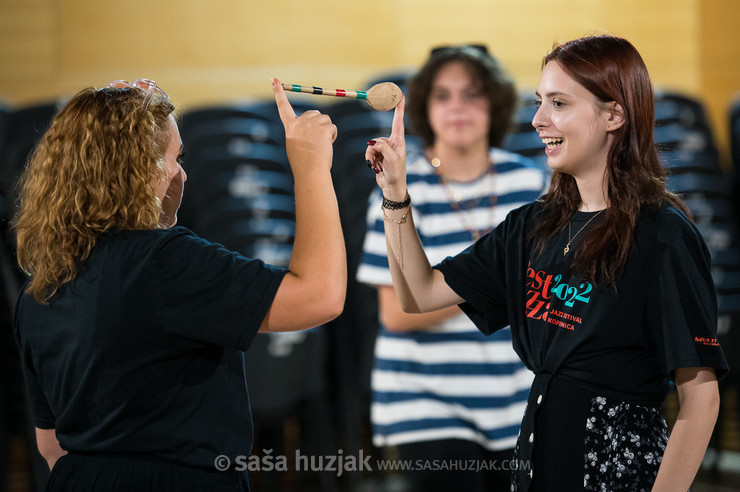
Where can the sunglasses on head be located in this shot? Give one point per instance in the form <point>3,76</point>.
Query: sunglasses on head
<point>149,87</point>
<point>480,48</point>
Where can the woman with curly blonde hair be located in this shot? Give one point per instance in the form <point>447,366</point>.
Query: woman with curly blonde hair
<point>131,329</point>
<point>87,177</point>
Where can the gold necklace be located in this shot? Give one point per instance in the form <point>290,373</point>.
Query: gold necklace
<point>454,199</point>
<point>570,239</point>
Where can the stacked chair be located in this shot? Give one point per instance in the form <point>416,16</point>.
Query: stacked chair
<point>735,150</point>
<point>20,130</point>
<point>687,150</point>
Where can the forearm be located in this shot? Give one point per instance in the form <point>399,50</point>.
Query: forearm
<point>48,446</point>
<point>689,439</point>
<point>403,322</point>
<point>318,258</point>
<point>418,286</point>
<point>394,319</point>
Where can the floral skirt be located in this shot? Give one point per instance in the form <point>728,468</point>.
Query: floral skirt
<point>624,445</point>
<point>572,439</point>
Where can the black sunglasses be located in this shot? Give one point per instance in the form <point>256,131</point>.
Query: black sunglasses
<point>480,48</point>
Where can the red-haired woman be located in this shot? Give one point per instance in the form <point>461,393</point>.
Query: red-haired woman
<point>605,282</point>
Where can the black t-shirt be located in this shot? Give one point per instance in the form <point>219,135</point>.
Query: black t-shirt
<point>142,352</point>
<point>625,343</point>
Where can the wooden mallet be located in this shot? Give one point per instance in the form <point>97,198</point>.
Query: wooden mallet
<point>383,96</point>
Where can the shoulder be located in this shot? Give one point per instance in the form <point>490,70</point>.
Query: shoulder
<point>177,235</point>
<point>178,244</point>
<point>141,244</point>
<point>528,211</point>
<point>509,161</point>
<point>667,230</point>
<point>522,218</point>
<point>150,238</point>
<point>667,223</point>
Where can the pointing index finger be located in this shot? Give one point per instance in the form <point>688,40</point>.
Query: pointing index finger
<point>397,128</point>
<point>283,105</point>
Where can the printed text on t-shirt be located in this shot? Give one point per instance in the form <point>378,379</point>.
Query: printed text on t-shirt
<point>541,287</point>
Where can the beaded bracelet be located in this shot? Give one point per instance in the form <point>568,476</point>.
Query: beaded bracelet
<point>391,205</point>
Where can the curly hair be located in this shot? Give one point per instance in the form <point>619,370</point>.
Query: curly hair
<point>484,69</point>
<point>94,170</point>
<point>612,70</point>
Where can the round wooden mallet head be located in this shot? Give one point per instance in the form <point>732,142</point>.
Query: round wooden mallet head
<point>384,96</point>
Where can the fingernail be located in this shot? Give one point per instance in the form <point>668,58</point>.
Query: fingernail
<point>371,142</point>
<point>377,171</point>
<point>369,164</point>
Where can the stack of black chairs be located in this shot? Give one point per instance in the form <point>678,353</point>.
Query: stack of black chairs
<point>240,188</point>
<point>687,150</point>
<point>735,152</point>
<point>20,130</point>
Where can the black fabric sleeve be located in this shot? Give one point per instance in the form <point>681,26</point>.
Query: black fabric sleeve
<point>41,414</point>
<point>684,302</point>
<point>209,294</point>
<point>478,275</point>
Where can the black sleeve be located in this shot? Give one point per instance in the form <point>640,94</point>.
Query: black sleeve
<point>209,294</point>
<point>684,302</point>
<point>41,414</point>
<point>478,275</point>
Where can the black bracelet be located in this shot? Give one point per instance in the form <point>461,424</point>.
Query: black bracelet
<point>391,205</point>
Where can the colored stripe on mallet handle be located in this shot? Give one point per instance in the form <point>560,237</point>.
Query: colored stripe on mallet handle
<point>383,96</point>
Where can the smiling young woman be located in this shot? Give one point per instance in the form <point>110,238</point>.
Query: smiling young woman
<point>605,282</point>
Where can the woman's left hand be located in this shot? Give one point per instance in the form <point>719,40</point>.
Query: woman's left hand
<point>387,156</point>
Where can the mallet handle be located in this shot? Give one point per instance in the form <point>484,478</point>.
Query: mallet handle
<point>325,92</point>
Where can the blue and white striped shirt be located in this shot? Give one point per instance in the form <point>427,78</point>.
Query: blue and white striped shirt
<point>449,381</point>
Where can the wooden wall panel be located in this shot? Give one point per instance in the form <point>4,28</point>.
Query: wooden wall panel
<point>203,52</point>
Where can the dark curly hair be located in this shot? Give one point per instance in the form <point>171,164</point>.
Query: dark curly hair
<point>495,82</point>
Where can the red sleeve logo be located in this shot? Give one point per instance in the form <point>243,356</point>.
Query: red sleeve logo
<point>709,342</point>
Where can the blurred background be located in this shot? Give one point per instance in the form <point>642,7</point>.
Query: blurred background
<point>215,59</point>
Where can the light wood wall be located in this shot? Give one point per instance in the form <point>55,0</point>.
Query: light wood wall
<point>220,50</point>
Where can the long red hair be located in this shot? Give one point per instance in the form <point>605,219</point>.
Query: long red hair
<point>612,70</point>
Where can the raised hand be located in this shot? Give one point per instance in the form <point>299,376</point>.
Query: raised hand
<point>313,290</point>
<point>308,138</point>
<point>387,156</point>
